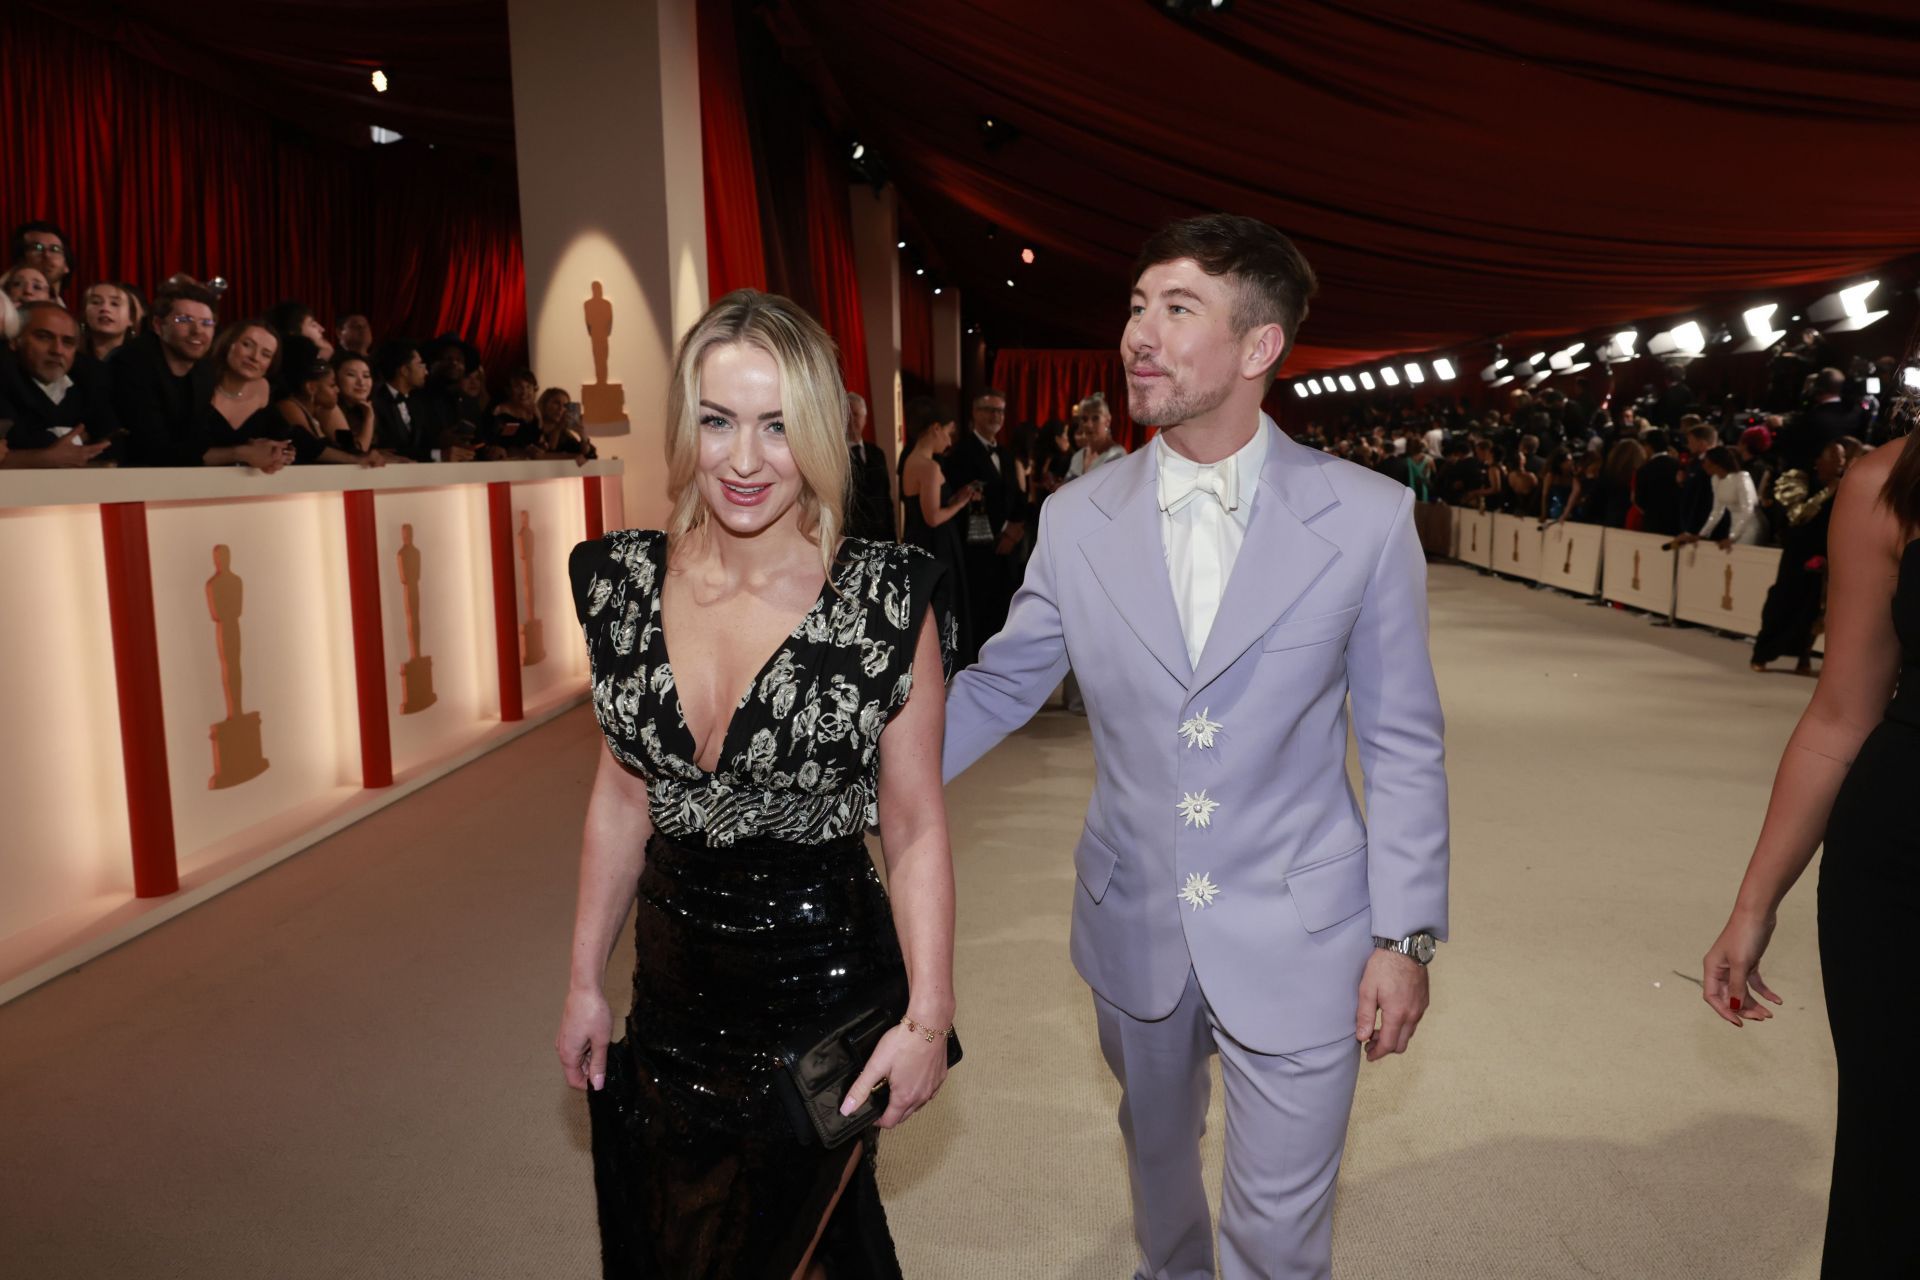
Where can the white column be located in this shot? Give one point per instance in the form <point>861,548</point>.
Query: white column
<point>876,229</point>
<point>606,107</point>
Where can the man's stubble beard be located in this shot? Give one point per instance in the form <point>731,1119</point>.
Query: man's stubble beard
<point>1178,406</point>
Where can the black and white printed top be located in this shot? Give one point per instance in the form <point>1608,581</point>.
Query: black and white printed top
<point>800,762</point>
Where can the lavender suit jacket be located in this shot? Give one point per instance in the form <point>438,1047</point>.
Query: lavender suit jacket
<point>1272,894</point>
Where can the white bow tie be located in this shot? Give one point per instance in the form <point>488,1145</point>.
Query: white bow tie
<point>1181,481</point>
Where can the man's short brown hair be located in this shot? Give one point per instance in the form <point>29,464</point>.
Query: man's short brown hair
<point>1274,277</point>
<point>180,289</point>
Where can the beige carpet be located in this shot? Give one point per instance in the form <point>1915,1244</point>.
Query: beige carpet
<point>342,1068</point>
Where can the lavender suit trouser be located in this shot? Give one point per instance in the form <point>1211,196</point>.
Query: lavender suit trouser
<point>1286,1128</point>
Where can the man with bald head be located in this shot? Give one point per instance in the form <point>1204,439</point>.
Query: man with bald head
<point>61,415</point>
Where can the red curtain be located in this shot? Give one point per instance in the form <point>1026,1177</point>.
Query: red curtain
<point>149,173</point>
<point>916,327</point>
<point>1044,385</point>
<point>836,289</point>
<point>735,257</point>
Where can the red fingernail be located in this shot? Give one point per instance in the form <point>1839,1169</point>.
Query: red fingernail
<point>1734,1004</point>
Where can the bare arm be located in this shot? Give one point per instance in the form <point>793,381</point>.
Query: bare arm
<point>612,852</point>
<point>913,835</point>
<point>1862,664</point>
<point>929,496</point>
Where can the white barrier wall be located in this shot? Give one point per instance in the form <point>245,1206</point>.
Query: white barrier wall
<point>252,590</point>
<point>1516,546</point>
<point>1724,589</point>
<point>1570,557</point>
<point>1635,571</point>
<point>1476,538</point>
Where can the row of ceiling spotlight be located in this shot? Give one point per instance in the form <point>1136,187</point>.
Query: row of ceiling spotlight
<point>1363,380</point>
<point>1841,311</point>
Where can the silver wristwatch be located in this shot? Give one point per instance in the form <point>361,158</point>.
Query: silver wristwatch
<point>1418,947</point>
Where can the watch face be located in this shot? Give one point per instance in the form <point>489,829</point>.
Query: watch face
<point>1423,947</point>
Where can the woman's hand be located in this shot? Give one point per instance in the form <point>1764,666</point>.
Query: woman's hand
<point>586,1025</point>
<point>913,1069</point>
<point>1725,544</point>
<point>1732,968</point>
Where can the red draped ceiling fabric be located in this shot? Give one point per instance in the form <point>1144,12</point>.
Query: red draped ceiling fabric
<point>735,256</point>
<point>149,173</point>
<point>1453,171</point>
<point>1042,385</point>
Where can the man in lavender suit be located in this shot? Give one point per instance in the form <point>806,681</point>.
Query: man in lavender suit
<point>1221,595</point>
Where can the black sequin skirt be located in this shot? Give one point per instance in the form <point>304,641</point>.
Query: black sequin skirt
<point>697,1170</point>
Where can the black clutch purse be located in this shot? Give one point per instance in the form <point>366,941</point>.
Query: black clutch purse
<point>819,1066</point>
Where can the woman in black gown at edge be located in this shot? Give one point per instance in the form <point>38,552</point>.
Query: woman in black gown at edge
<point>934,514</point>
<point>767,690</point>
<point>1847,778</point>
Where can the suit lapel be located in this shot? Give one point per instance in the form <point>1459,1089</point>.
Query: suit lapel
<point>1130,560</point>
<point>1279,559</point>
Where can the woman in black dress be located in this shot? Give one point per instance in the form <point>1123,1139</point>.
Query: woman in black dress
<point>768,690</point>
<point>1792,611</point>
<point>935,511</point>
<point>1847,778</point>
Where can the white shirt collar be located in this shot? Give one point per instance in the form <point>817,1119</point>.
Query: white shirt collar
<point>1248,459</point>
<point>58,388</point>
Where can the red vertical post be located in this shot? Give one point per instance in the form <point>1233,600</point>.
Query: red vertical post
<point>596,509</point>
<point>369,641</point>
<point>136,673</point>
<point>506,614</point>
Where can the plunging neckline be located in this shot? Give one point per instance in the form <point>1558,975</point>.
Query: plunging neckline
<point>673,683</point>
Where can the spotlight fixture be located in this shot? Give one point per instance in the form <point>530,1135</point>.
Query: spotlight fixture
<point>1346,383</point>
<point>1562,361</point>
<point>379,81</point>
<point>1619,348</point>
<point>1415,375</point>
<point>936,291</point>
<point>1758,322</point>
<point>1366,380</point>
<point>382,137</point>
<point>1313,385</point>
<point>1009,284</point>
<point>1910,378</point>
<point>1679,344</point>
<point>1300,389</point>
<point>1026,256</point>
<point>1846,310</point>
<point>1388,376</point>
<point>1442,369</point>
<point>1493,371</point>
<point>996,133</point>
<point>859,151</point>
<point>899,244</point>
<point>919,271</point>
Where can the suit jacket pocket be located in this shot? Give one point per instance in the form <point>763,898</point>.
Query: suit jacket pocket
<point>1093,862</point>
<point>1331,891</point>
<point>1305,631</point>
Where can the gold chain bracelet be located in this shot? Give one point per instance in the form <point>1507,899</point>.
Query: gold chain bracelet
<point>929,1034</point>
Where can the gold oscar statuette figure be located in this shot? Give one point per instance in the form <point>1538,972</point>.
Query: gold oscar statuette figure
<point>1726,601</point>
<point>1636,571</point>
<point>603,404</point>
<point>237,754</point>
<point>416,673</point>
<point>533,648</point>
<point>1474,543</point>
<point>1516,546</point>
<point>1567,568</point>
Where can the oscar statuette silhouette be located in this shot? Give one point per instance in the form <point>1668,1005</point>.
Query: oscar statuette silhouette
<point>603,404</point>
<point>237,753</point>
<point>533,647</point>
<point>416,673</point>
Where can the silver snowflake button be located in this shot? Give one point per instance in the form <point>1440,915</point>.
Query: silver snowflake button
<point>1200,891</point>
<point>1198,731</point>
<point>1197,809</point>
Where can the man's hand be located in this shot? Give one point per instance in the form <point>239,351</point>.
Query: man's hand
<point>1393,991</point>
<point>70,450</point>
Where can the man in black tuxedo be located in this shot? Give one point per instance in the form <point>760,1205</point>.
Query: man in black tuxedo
<point>60,414</point>
<point>400,425</point>
<point>870,498</point>
<point>993,528</point>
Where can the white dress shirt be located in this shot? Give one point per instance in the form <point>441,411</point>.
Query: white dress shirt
<point>1201,536</point>
<point>1734,492</point>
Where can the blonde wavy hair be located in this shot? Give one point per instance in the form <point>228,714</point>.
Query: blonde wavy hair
<point>811,395</point>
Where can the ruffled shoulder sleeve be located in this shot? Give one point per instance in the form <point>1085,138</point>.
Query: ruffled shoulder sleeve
<point>614,580</point>
<point>915,586</point>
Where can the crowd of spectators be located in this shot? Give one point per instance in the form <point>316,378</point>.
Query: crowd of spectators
<point>1662,464</point>
<point>103,377</point>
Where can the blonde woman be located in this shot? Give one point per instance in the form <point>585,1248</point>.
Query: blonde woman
<point>768,689</point>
